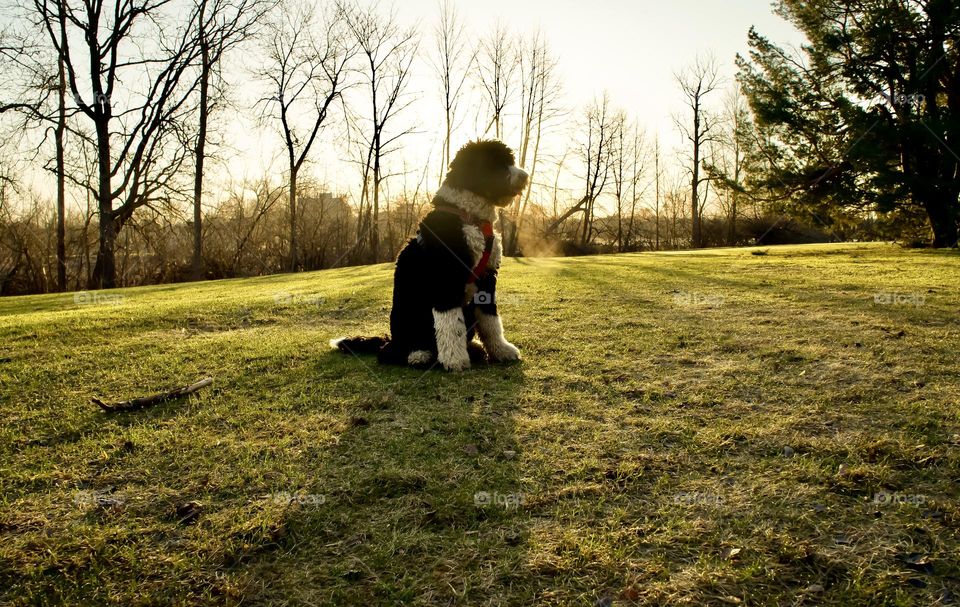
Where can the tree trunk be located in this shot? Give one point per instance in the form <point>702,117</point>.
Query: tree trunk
<point>732,224</point>
<point>734,197</point>
<point>375,225</point>
<point>695,197</point>
<point>293,218</point>
<point>574,209</point>
<point>61,178</point>
<point>446,145</point>
<point>105,275</point>
<point>619,223</point>
<point>943,218</point>
<point>515,245</point>
<point>197,265</point>
<point>656,212</point>
<point>587,221</point>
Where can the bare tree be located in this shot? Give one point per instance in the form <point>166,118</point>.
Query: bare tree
<point>603,124</point>
<point>730,158</point>
<point>221,25</point>
<point>141,143</point>
<point>595,155</point>
<point>496,65</point>
<point>452,64</point>
<point>59,137</point>
<point>305,74</point>
<point>540,92</point>
<point>619,163</point>
<point>675,209</point>
<point>533,63</point>
<point>696,83</point>
<point>638,147</point>
<point>656,160</point>
<point>241,220</point>
<point>627,169</point>
<point>23,55</point>
<point>387,51</point>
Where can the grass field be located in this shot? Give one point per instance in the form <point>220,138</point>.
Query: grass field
<point>728,427</point>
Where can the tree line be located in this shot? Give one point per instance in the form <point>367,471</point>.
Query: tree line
<point>124,105</point>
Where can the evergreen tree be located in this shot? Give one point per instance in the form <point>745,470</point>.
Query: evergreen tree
<point>867,117</point>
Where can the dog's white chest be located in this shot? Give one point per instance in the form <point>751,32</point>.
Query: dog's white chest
<point>475,241</point>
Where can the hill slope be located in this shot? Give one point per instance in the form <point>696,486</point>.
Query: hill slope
<point>708,427</point>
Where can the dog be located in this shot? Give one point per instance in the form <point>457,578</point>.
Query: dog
<point>445,280</point>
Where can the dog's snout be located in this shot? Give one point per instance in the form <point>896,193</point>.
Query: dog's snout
<point>518,178</point>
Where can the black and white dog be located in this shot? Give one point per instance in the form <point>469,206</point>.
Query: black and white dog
<point>445,283</point>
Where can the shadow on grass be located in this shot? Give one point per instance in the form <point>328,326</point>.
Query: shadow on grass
<point>424,472</point>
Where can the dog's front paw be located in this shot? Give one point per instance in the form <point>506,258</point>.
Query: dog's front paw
<point>451,339</point>
<point>459,361</point>
<point>504,352</point>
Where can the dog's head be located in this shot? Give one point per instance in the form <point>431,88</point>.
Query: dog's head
<point>487,169</point>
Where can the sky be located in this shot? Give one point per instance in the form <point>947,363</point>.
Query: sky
<point>629,49</point>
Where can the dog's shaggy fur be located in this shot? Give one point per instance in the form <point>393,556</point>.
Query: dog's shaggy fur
<point>438,302</point>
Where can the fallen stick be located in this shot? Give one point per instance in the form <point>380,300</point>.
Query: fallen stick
<point>146,401</point>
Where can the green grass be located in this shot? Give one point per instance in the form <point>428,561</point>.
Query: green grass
<point>692,428</point>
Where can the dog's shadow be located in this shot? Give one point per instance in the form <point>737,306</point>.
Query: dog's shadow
<point>426,462</point>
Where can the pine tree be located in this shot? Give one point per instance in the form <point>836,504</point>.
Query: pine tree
<point>867,117</point>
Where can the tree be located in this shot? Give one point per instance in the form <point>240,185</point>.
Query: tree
<point>620,172</point>
<point>627,170</point>
<point>137,130</point>
<point>539,93</point>
<point>496,65</point>
<point>867,118</point>
<point>28,58</point>
<point>387,51</point>
<point>603,125</point>
<point>452,63</point>
<point>696,82</point>
<point>305,75</point>
<point>221,25</point>
<point>596,153</point>
<point>657,176</point>
<point>59,137</point>
<point>733,150</point>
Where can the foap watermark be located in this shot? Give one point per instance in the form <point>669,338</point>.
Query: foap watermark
<point>99,499</point>
<point>901,99</point>
<point>485,298</point>
<point>284,498</point>
<point>697,498</point>
<point>283,298</point>
<point>899,299</point>
<point>683,298</point>
<point>482,499</point>
<point>97,298</point>
<point>885,498</point>
<point>482,298</point>
<point>99,99</point>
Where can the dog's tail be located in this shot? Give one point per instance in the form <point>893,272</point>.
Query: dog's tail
<point>359,345</point>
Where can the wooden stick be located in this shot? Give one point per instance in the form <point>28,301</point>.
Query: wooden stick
<point>146,401</point>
